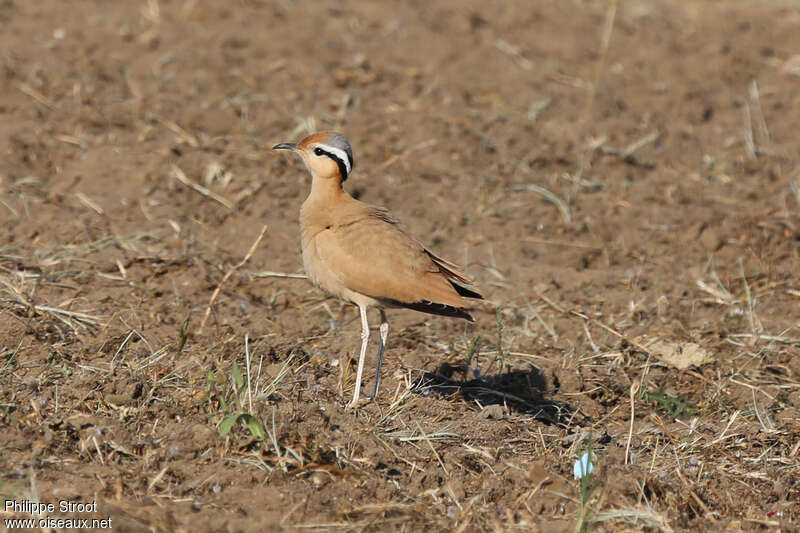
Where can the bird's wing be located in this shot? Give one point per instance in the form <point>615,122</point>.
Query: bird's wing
<point>450,270</point>
<point>371,255</point>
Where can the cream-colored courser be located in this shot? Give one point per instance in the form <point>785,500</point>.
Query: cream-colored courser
<point>359,253</point>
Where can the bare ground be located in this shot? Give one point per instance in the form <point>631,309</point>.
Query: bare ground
<point>622,180</point>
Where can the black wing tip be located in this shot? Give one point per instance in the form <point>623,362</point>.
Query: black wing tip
<point>433,308</point>
<point>465,292</point>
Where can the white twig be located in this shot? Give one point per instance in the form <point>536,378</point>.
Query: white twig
<point>179,175</point>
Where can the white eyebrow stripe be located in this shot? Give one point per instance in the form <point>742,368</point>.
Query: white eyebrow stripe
<point>341,154</point>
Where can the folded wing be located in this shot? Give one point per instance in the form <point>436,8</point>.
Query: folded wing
<point>374,256</point>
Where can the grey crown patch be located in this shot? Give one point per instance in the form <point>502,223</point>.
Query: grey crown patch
<point>340,141</point>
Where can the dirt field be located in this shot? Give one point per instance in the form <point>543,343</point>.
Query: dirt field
<point>624,185</point>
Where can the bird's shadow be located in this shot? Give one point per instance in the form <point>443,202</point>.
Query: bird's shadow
<point>522,391</point>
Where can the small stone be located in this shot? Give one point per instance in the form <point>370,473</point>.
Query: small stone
<point>494,412</point>
<point>319,479</point>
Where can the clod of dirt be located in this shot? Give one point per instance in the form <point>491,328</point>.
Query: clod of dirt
<point>792,65</point>
<point>494,412</point>
<point>788,417</point>
<point>680,355</point>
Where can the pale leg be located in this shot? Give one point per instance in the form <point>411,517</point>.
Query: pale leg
<point>381,348</point>
<point>364,339</point>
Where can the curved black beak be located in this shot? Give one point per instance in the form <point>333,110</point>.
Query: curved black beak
<point>285,146</point>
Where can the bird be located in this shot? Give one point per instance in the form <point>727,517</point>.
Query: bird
<point>362,254</point>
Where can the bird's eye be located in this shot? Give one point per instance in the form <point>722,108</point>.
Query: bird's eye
<point>318,151</point>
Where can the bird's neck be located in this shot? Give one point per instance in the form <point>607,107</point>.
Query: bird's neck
<point>326,188</point>
<point>320,209</point>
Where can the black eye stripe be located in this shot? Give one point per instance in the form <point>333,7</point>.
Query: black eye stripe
<point>339,162</point>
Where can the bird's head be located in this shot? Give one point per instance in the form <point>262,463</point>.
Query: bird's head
<point>327,154</point>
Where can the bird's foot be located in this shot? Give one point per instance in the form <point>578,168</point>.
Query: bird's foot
<point>354,402</point>
<point>353,405</point>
